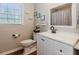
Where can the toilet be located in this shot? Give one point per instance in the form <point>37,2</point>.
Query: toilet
<point>28,45</point>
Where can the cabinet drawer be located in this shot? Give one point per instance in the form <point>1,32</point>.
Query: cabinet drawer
<point>42,38</point>
<point>63,49</point>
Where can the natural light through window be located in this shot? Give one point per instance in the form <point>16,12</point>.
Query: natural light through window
<point>10,13</point>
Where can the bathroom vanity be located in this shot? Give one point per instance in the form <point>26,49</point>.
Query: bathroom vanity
<point>60,43</point>
<point>63,18</point>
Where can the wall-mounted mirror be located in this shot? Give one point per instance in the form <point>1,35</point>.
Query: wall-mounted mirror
<point>62,15</point>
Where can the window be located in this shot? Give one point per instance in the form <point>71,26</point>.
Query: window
<point>10,13</point>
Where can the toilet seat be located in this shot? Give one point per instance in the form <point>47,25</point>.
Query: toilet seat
<point>27,42</point>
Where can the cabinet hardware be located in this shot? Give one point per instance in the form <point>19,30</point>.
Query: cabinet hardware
<point>60,50</point>
<point>42,39</point>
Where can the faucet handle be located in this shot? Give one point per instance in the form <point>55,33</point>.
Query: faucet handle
<point>53,30</point>
<point>52,27</point>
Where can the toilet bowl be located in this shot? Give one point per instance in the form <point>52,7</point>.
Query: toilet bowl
<point>27,42</point>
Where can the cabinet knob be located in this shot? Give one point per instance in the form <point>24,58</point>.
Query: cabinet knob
<point>42,39</point>
<point>60,50</point>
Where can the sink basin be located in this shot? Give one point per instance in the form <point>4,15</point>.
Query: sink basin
<point>27,42</point>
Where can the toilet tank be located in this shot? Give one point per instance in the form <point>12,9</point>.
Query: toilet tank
<point>35,36</point>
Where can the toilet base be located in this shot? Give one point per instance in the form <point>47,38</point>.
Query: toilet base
<point>30,49</point>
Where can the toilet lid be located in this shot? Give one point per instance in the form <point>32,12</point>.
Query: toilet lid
<point>27,41</point>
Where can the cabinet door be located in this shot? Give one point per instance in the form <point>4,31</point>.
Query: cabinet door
<point>44,46</point>
<point>40,45</point>
<point>63,49</point>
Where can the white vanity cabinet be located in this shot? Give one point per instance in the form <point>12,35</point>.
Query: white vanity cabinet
<point>47,46</point>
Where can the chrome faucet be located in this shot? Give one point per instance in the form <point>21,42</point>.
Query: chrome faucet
<point>53,30</point>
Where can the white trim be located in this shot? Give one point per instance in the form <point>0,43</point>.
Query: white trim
<point>23,13</point>
<point>11,51</point>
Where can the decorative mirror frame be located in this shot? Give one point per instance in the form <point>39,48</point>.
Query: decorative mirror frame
<point>42,17</point>
<point>38,15</point>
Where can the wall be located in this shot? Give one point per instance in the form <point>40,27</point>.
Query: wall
<point>45,9</point>
<point>7,42</point>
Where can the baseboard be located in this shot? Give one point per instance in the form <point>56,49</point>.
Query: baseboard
<point>11,51</point>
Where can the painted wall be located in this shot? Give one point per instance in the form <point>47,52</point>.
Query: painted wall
<point>45,9</point>
<point>7,42</point>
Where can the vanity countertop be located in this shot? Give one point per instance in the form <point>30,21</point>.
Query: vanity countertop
<point>64,37</point>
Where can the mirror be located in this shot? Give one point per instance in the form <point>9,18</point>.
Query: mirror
<point>62,15</point>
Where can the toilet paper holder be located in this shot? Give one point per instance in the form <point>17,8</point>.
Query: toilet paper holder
<point>15,35</point>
